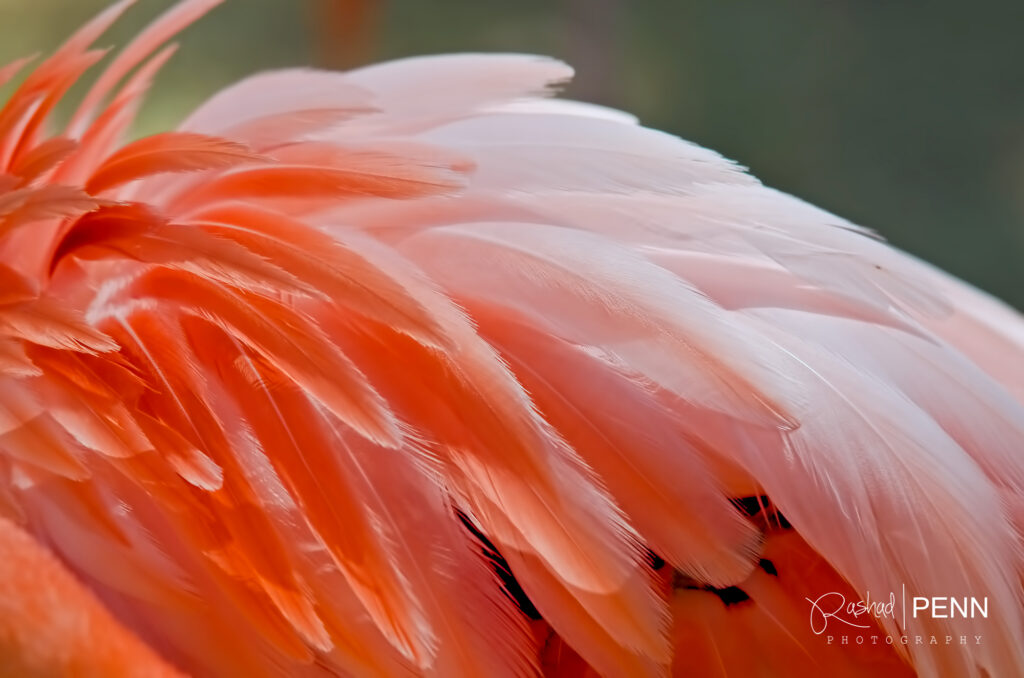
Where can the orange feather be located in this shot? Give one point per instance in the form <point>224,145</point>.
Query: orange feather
<point>416,371</point>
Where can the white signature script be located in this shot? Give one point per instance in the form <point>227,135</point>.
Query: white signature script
<point>833,605</point>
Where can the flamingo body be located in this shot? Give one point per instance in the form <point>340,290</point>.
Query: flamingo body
<point>416,371</point>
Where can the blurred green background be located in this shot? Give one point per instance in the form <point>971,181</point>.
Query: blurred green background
<point>907,117</point>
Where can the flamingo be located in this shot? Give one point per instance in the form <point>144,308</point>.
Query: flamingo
<point>415,370</point>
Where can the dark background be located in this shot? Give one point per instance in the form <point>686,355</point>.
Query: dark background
<point>907,117</point>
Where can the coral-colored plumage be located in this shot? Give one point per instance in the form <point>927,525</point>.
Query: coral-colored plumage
<point>414,371</point>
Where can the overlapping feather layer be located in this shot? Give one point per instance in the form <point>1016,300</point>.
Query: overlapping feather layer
<point>299,388</point>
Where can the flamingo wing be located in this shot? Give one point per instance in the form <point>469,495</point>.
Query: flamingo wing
<point>415,370</point>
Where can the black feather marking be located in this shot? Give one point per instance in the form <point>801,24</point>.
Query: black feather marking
<point>510,587</point>
<point>656,561</point>
<point>730,595</point>
<point>761,509</point>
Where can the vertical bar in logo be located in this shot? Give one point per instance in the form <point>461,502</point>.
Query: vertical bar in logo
<point>903,596</point>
